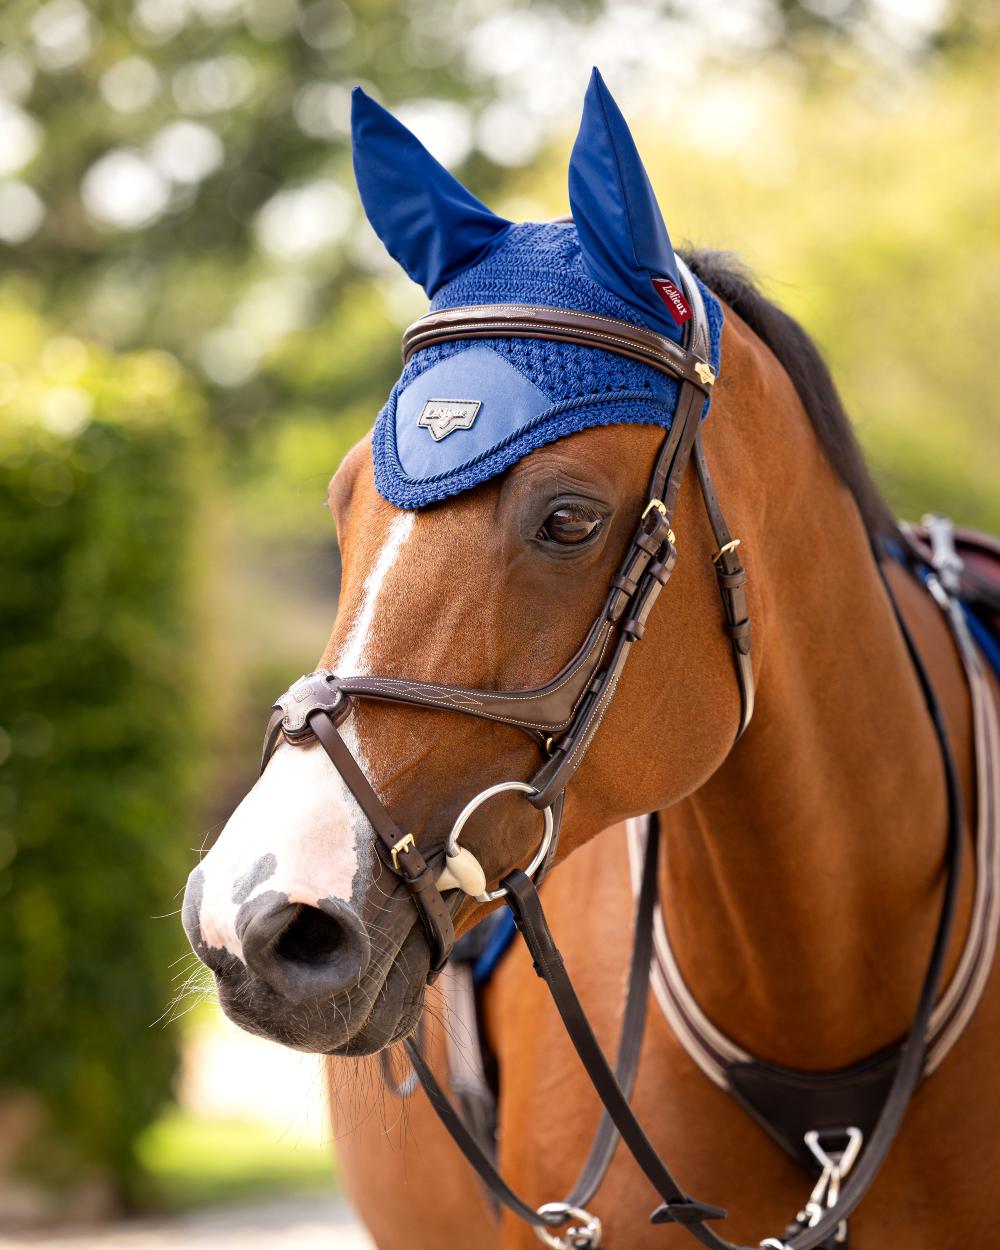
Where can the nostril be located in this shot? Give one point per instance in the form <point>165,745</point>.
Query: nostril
<point>312,937</point>
<point>304,953</point>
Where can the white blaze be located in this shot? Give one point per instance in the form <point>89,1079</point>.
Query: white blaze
<point>300,811</point>
<point>352,659</point>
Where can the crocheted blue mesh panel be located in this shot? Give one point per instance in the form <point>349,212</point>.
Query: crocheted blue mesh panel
<point>464,412</point>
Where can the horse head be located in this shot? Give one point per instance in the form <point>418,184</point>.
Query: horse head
<point>481,525</point>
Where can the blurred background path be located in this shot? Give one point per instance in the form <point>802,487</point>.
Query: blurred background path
<point>305,1223</point>
<point>244,1160</point>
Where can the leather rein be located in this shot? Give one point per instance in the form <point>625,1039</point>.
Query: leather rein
<point>562,717</point>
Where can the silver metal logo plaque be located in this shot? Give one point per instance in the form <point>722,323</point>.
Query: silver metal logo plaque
<point>443,416</point>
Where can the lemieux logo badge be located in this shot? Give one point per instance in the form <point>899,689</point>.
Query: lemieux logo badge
<point>443,416</point>
<point>674,299</point>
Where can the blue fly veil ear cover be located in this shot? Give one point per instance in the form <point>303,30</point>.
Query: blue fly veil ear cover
<point>624,240</point>
<point>464,412</point>
<point>427,220</point>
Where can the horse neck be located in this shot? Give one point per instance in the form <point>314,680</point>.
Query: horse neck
<point>801,883</point>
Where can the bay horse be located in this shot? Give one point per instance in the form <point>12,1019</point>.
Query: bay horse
<point>809,865</point>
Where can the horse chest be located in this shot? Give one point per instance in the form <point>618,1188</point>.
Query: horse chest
<point>548,1114</point>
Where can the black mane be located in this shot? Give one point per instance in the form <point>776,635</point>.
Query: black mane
<point>800,357</point>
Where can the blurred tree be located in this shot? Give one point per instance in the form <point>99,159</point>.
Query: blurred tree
<point>184,170</point>
<point>100,746</point>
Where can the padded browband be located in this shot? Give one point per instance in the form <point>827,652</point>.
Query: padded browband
<point>559,325</point>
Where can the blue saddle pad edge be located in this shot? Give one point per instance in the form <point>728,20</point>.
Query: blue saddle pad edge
<point>986,640</point>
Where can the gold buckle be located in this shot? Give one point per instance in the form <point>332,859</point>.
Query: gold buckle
<point>729,546</point>
<point>403,845</point>
<point>706,374</point>
<point>656,505</point>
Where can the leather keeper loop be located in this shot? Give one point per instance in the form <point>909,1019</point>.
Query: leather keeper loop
<point>731,581</point>
<point>623,583</point>
<point>740,634</point>
<point>617,605</point>
<point>411,872</point>
<point>686,1211</point>
<point>651,542</point>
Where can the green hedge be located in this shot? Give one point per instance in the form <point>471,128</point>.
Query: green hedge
<point>100,480</point>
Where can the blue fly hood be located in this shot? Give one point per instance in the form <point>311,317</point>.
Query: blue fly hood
<point>464,412</point>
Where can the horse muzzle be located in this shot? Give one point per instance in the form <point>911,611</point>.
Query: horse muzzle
<point>312,977</point>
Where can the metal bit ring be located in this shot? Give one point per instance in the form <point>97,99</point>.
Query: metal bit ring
<point>538,859</point>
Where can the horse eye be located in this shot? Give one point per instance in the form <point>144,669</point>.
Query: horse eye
<point>572,524</point>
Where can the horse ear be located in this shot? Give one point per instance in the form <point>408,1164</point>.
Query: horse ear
<point>625,244</point>
<point>427,220</point>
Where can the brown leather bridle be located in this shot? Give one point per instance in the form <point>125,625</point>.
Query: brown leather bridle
<point>562,715</point>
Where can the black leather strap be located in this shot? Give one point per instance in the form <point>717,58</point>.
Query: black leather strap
<point>466,1141</point>
<point>523,900</point>
<point>614,1088</point>
<point>633,1024</point>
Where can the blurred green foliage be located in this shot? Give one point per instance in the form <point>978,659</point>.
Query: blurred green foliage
<point>100,474</point>
<point>196,323</point>
<point>190,1161</point>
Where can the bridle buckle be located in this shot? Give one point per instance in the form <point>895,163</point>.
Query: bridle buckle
<point>725,549</point>
<point>657,505</point>
<point>654,505</point>
<point>400,848</point>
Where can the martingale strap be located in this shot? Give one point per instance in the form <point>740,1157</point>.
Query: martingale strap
<point>626,1066</point>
